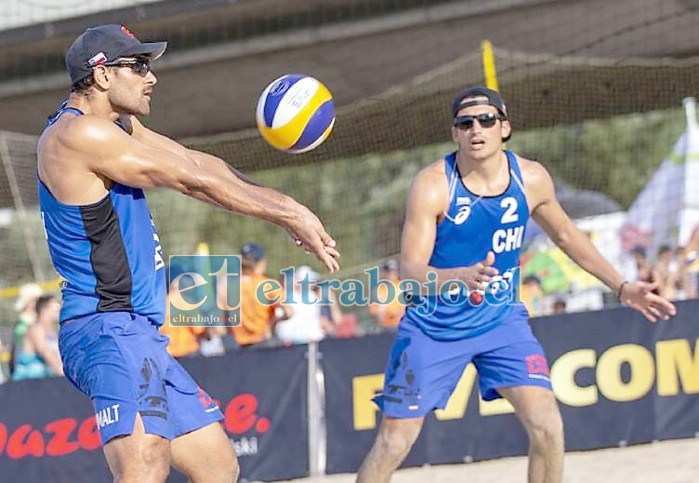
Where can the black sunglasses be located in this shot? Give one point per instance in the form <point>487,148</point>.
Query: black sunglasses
<point>486,120</point>
<point>139,66</point>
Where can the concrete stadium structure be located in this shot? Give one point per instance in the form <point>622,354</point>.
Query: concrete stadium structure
<point>224,52</point>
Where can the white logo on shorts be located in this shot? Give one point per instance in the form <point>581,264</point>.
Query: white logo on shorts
<point>107,416</point>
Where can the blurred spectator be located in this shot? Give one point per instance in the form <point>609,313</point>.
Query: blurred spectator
<point>348,326</point>
<point>686,289</point>
<point>37,355</point>
<point>665,273</point>
<point>559,307</point>
<point>25,306</point>
<point>644,271</point>
<point>211,342</point>
<point>305,324</point>
<point>257,318</point>
<point>388,315</point>
<point>680,274</point>
<point>330,314</point>
<point>691,264</point>
<point>184,340</point>
<point>533,296</point>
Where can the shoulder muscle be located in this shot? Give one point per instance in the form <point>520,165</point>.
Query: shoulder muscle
<point>538,183</point>
<point>429,192</point>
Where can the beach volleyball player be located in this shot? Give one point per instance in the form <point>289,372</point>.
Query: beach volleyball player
<point>94,159</point>
<point>465,221</point>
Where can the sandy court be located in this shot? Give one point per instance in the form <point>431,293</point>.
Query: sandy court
<point>661,462</point>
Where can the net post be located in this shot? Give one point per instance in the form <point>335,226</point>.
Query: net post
<point>317,431</point>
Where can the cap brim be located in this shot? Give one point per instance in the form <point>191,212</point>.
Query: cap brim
<point>153,50</point>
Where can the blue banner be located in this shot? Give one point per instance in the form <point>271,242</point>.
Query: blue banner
<point>619,380</point>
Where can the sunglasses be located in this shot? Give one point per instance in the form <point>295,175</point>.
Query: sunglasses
<point>139,66</point>
<point>486,120</point>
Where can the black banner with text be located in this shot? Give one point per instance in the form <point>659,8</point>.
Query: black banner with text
<point>618,378</point>
<point>48,431</point>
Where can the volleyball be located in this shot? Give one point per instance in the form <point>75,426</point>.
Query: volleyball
<point>295,113</point>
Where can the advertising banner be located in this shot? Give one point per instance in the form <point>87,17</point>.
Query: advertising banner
<point>618,378</point>
<point>264,396</point>
<point>48,430</point>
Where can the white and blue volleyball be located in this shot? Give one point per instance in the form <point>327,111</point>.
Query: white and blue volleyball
<point>295,113</point>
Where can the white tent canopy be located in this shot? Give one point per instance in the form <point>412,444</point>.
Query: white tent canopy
<point>667,210</point>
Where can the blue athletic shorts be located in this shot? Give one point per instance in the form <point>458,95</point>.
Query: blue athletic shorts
<point>120,361</point>
<point>423,372</point>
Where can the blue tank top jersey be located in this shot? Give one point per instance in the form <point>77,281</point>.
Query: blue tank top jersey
<point>472,226</point>
<point>108,252</point>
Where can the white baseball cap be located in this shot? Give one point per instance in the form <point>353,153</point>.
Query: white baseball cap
<point>27,292</point>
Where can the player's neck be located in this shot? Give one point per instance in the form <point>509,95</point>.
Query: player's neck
<point>487,169</point>
<point>92,104</point>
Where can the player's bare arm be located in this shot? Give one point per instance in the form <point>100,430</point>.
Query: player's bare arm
<point>308,231</point>
<point>427,202</point>
<point>547,212</point>
<point>110,153</point>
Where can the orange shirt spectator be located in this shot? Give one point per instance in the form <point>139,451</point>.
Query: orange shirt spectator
<point>256,318</point>
<point>184,341</point>
<point>388,315</point>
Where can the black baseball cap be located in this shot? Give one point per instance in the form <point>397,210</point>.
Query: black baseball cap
<point>494,99</point>
<point>253,252</point>
<point>106,43</point>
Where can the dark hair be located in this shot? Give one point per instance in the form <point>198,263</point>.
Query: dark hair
<point>531,279</point>
<point>639,250</point>
<point>248,264</point>
<point>43,301</point>
<point>664,249</point>
<point>83,85</point>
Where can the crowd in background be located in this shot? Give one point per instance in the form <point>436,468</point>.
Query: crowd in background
<point>671,272</point>
<point>675,271</point>
<point>277,323</point>
<point>31,351</point>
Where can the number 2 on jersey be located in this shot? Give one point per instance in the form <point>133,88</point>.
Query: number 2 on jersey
<point>510,205</point>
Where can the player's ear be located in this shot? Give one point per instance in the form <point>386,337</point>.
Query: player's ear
<point>454,134</point>
<point>102,75</point>
<point>505,130</point>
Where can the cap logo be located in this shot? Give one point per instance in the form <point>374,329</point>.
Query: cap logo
<point>97,59</point>
<point>127,32</point>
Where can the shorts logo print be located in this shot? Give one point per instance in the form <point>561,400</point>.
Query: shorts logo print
<point>151,398</point>
<point>397,392</point>
<point>538,367</point>
<point>207,402</point>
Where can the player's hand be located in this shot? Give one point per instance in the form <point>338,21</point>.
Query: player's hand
<point>640,296</point>
<point>477,276</point>
<point>307,231</point>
